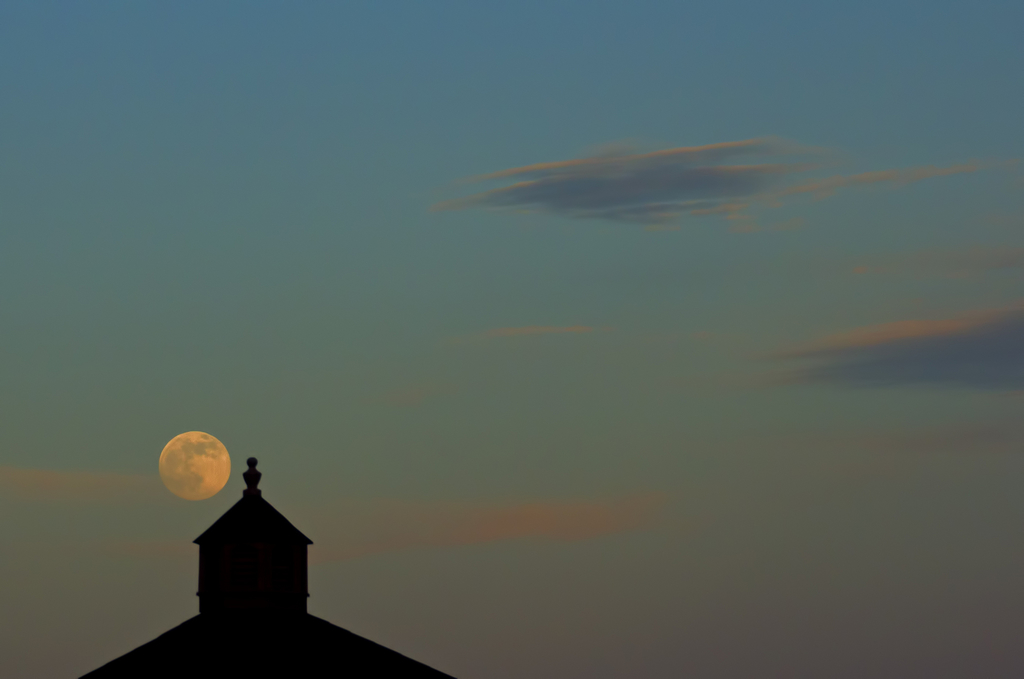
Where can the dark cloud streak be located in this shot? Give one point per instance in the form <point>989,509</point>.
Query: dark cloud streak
<point>646,188</point>
<point>981,352</point>
<point>661,187</point>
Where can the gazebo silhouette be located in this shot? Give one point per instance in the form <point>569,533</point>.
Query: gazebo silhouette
<point>252,618</point>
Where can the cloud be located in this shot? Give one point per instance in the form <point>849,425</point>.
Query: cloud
<point>619,159</point>
<point>377,527</point>
<point>981,350</point>
<point>947,263</point>
<point>970,438</point>
<point>77,486</point>
<point>826,187</point>
<point>664,186</point>
<point>647,188</point>
<point>352,529</point>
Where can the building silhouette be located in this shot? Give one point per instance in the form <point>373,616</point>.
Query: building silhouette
<point>252,618</point>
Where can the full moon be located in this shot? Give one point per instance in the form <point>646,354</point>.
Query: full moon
<point>194,465</point>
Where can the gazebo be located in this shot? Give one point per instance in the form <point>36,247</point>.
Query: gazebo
<point>252,618</point>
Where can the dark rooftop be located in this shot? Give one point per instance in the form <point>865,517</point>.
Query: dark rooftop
<point>253,621</point>
<point>256,646</point>
<point>252,520</point>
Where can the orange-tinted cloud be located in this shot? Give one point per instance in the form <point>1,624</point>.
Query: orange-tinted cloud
<point>947,263</point>
<point>77,486</point>
<point>981,350</point>
<point>970,438</point>
<point>709,153</point>
<point>885,333</point>
<point>824,188</point>
<point>727,209</point>
<point>392,526</point>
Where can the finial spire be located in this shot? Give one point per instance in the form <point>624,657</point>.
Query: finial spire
<point>252,479</point>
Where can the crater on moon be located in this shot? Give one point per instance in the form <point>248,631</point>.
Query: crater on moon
<point>195,465</point>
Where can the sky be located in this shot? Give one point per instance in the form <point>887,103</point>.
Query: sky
<point>584,339</point>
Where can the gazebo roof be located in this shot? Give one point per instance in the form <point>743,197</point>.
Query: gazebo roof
<point>252,520</point>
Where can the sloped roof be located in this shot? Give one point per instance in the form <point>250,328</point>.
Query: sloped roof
<point>256,646</point>
<point>252,520</point>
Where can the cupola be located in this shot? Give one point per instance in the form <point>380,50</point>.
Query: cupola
<point>252,558</point>
<point>252,618</point>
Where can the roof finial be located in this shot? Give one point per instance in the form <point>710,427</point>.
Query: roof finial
<point>252,479</point>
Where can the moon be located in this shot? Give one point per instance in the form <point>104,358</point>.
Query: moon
<point>194,465</point>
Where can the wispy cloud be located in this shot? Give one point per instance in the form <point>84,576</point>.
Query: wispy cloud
<point>387,526</point>
<point>824,188</point>
<point>648,188</point>
<point>353,529</point>
<point>78,486</point>
<point>970,438</point>
<point>661,187</point>
<point>983,350</point>
<point>946,263</point>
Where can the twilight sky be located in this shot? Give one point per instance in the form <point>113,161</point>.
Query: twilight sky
<point>584,339</point>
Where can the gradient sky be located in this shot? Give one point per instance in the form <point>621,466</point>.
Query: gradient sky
<point>750,410</point>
